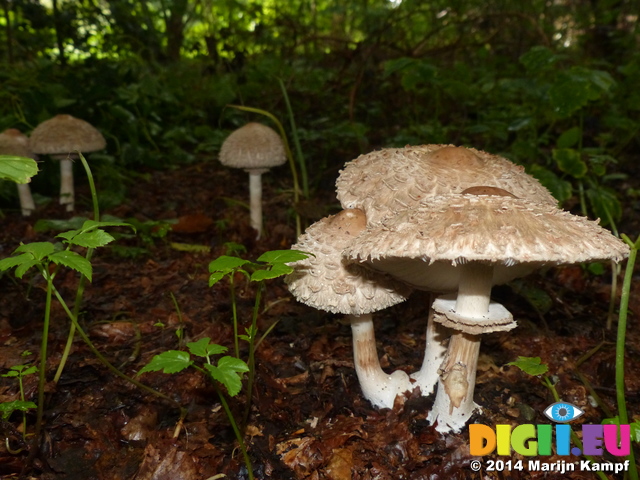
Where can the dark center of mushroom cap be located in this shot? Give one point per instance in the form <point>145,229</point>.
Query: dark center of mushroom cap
<point>13,132</point>
<point>485,190</point>
<point>455,157</point>
<point>349,222</point>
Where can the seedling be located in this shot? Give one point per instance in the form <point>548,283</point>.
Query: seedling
<point>227,371</point>
<point>534,367</point>
<point>7,408</point>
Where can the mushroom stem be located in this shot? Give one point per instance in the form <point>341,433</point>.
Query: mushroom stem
<point>255,200</point>
<point>454,401</point>
<point>26,200</point>
<point>66,184</point>
<point>427,377</point>
<point>377,387</point>
<point>474,290</point>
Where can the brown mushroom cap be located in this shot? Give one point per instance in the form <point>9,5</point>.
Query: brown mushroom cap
<point>253,146</point>
<point>326,282</point>
<point>392,179</point>
<point>513,235</point>
<point>64,134</point>
<point>14,142</point>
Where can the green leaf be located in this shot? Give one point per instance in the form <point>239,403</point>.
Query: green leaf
<point>560,189</point>
<point>228,372</point>
<point>25,266</point>
<point>17,169</point>
<point>569,161</point>
<point>215,278</point>
<point>204,348</point>
<point>276,270</point>
<point>74,261</point>
<point>91,239</point>
<point>44,225</point>
<point>282,256</point>
<point>569,138</point>
<point>10,262</point>
<point>172,361</point>
<point>92,225</point>
<point>605,204</point>
<point>190,247</point>
<point>226,264</point>
<point>38,250</point>
<point>568,95</point>
<point>530,365</point>
<point>7,408</point>
<point>538,58</point>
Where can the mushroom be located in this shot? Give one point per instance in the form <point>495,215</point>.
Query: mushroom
<point>392,179</point>
<point>14,142</point>
<point>469,242</point>
<point>62,137</point>
<point>326,282</point>
<point>255,148</point>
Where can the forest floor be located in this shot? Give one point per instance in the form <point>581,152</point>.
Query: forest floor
<point>308,419</point>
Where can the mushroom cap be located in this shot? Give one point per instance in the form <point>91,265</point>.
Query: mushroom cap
<point>513,235</point>
<point>64,134</point>
<point>392,179</point>
<point>14,142</point>
<point>253,147</point>
<point>326,282</point>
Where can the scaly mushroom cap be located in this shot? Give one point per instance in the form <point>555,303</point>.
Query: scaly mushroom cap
<point>64,134</point>
<point>14,142</point>
<point>254,146</point>
<point>392,179</point>
<point>513,235</point>
<point>327,283</point>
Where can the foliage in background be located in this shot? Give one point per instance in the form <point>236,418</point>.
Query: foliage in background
<point>550,85</point>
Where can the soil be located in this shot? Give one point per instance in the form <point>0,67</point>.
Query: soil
<point>307,418</point>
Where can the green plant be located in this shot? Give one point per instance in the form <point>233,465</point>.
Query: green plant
<point>227,371</point>
<point>7,408</point>
<point>533,366</point>
<point>41,256</point>
<point>270,265</point>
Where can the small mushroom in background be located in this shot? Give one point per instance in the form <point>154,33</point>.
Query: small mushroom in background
<point>255,148</point>
<point>390,180</point>
<point>61,137</point>
<point>324,281</point>
<point>467,243</point>
<point>14,142</point>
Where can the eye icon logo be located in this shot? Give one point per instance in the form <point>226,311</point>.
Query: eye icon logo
<point>562,412</point>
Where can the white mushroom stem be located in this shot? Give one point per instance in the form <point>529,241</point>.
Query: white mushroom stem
<point>427,377</point>
<point>454,403</point>
<point>255,199</point>
<point>66,184</point>
<point>377,386</point>
<point>26,200</point>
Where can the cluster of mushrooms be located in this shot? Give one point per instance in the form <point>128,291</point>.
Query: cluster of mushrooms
<point>60,137</point>
<point>448,220</point>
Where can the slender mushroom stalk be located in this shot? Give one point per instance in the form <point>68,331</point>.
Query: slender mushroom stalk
<point>67,191</point>
<point>435,349</point>
<point>62,137</point>
<point>14,142</point>
<point>255,198</point>
<point>326,282</point>
<point>255,148</point>
<point>380,388</point>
